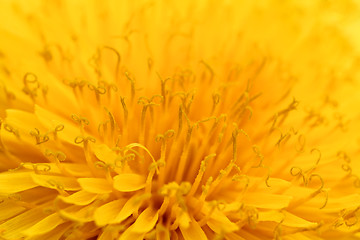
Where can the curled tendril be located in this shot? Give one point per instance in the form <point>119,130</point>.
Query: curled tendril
<point>41,167</point>
<point>216,98</point>
<point>320,178</point>
<point>12,130</point>
<point>120,161</point>
<point>59,128</point>
<point>209,68</point>
<point>297,172</point>
<point>150,101</point>
<point>39,137</point>
<point>104,166</point>
<point>326,198</point>
<point>30,79</point>
<point>357,182</point>
<point>278,229</point>
<point>108,86</point>
<point>98,90</point>
<point>240,178</point>
<point>80,120</point>
<point>319,157</point>
<point>347,168</point>
<point>75,83</point>
<point>14,197</point>
<point>58,155</point>
<point>27,79</point>
<point>167,135</point>
<point>53,183</point>
<point>82,139</point>
<point>157,165</point>
<point>343,156</point>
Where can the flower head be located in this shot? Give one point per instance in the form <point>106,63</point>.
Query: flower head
<point>178,120</point>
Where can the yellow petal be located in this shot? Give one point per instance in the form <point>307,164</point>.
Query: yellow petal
<point>264,200</point>
<point>95,185</point>
<point>106,213</point>
<point>292,220</point>
<point>337,204</point>
<point>9,209</point>
<point>162,232</point>
<point>77,214</point>
<point>77,170</point>
<point>55,234</point>
<point>49,119</point>
<point>13,182</point>
<point>104,153</point>
<point>80,198</point>
<point>129,182</point>
<point>271,216</point>
<point>129,208</point>
<point>131,235</point>
<point>15,226</point>
<point>219,223</point>
<point>192,232</point>
<point>56,182</point>
<point>184,219</point>
<point>45,225</point>
<point>146,221</point>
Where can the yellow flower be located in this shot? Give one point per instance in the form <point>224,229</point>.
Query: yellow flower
<point>179,120</point>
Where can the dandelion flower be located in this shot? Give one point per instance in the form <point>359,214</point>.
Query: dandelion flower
<point>179,120</point>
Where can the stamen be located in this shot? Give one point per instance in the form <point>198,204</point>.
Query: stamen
<point>235,133</point>
<point>199,176</point>
<point>146,105</point>
<point>132,145</point>
<point>150,62</point>
<point>209,69</point>
<point>164,91</point>
<point>216,99</point>
<point>112,123</point>
<point>240,178</point>
<point>180,122</point>
<point>85,141</point>
<point>118,60</point>
<point>283,137</point>
<point>132,81</point>
<point>301,144</point>
<point>122,99</point>
<point>205,190</point>
<point>284,113</point>
<point>163,138</point>
<point>256,150</point>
